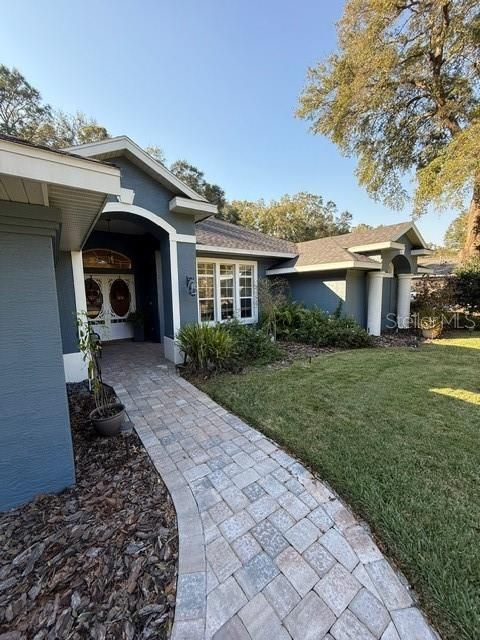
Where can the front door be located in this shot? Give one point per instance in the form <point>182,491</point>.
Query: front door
<point>110,300</point>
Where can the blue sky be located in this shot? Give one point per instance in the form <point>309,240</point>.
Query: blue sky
<point>213,81</point>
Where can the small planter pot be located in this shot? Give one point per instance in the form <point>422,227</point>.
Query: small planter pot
<point>138,333</point>
<point>432,332</point>
<point>109,425</point>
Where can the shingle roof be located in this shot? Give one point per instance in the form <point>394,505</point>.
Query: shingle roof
<point>379,234</point>
<point>324,251</point>
<point>335,249</point>
<point>213,232</point>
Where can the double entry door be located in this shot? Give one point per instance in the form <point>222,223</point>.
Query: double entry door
<point>110,300</point>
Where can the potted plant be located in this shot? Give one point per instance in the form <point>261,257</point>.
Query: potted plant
<point>430,320</point>
<point>137,319</point>
<point>109,414</point>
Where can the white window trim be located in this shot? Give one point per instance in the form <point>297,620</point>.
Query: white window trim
<point>217,292</point>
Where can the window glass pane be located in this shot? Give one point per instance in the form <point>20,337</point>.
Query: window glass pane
<point>246,291</point>
<point>105,259</point>
<point>227,272</point>
<point>226,281</point>
<point>207,310</point>
<point>246,270</point>
<point>206,287</point>
<point>206,268</point>
<point>120,297</point>
<point>94,298</point>
<point>206,291</point>
<point>227,308</point>
<point>246,308</point>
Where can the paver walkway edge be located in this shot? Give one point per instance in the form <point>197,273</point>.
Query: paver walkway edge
<point>266,550</point>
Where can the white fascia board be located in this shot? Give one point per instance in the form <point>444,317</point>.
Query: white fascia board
<point>421,252</point>
<point>327,266</point>
<point>424,270</point>
<point>183,237</point>
<point>376,246</point>
<point>45,166</point>
<point>207,248</point>
<point>124,143</point>
<point>186,205</point>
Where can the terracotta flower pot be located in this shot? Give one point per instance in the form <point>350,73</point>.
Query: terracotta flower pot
<point>110,424</point>
<point>432,332</point>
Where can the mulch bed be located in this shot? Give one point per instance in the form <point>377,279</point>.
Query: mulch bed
<point>298,351</point>
<point>95,561</point>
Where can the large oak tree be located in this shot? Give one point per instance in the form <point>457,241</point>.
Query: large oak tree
<point>402,94</point>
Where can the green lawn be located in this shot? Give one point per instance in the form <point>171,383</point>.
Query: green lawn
<point>397,433</point>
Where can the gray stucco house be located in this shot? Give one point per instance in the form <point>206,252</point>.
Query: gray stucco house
<point>105,229</point>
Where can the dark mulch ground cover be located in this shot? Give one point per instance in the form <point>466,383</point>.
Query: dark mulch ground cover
<point>292,351</point>
<point>98,560</point>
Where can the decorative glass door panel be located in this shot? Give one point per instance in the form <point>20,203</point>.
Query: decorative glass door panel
<point>110,300</point>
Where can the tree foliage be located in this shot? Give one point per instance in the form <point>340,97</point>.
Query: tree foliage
<point>156,152</point>
<point>21,108</point>
<point>456,233</point>
<point>23,114</point>
<point>68,130</point>
<point>299,217</point>
<point>402,94</point>
<point>467,284</point>
<point>195,179</point>
<point>363,227</point>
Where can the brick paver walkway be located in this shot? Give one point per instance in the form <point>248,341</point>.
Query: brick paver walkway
<point>266,550</point>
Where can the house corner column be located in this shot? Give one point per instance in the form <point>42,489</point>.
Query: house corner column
<point>374,312</point>
<point>403,300</point>
<point>74,365</point>
<point>79,281</point>
<point>171,350</point>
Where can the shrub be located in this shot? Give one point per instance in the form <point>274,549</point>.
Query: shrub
<point>467,284</point>
<point>251,344</point>
<point>313,326</point>
<point>434,304</point>
<point>224,347</point>
<point>206,348</point>
<point>272,296</point>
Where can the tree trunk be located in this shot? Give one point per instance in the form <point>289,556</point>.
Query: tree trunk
<point>472,241</point>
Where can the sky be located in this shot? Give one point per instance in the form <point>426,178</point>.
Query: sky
<point>215,82</point>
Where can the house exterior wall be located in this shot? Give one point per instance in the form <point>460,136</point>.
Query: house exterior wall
<point>66,302</point>
<point>356,299</point>
<point>35,443</point>
<point>151,195</point>
<point>186,257</point>
<point>326,292</point>
<point>389,303</point>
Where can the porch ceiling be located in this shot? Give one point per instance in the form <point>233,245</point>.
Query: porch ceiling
<point>77,186</point>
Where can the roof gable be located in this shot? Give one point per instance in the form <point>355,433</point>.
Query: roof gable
<point>110,148</point>
<point>387,233</point>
